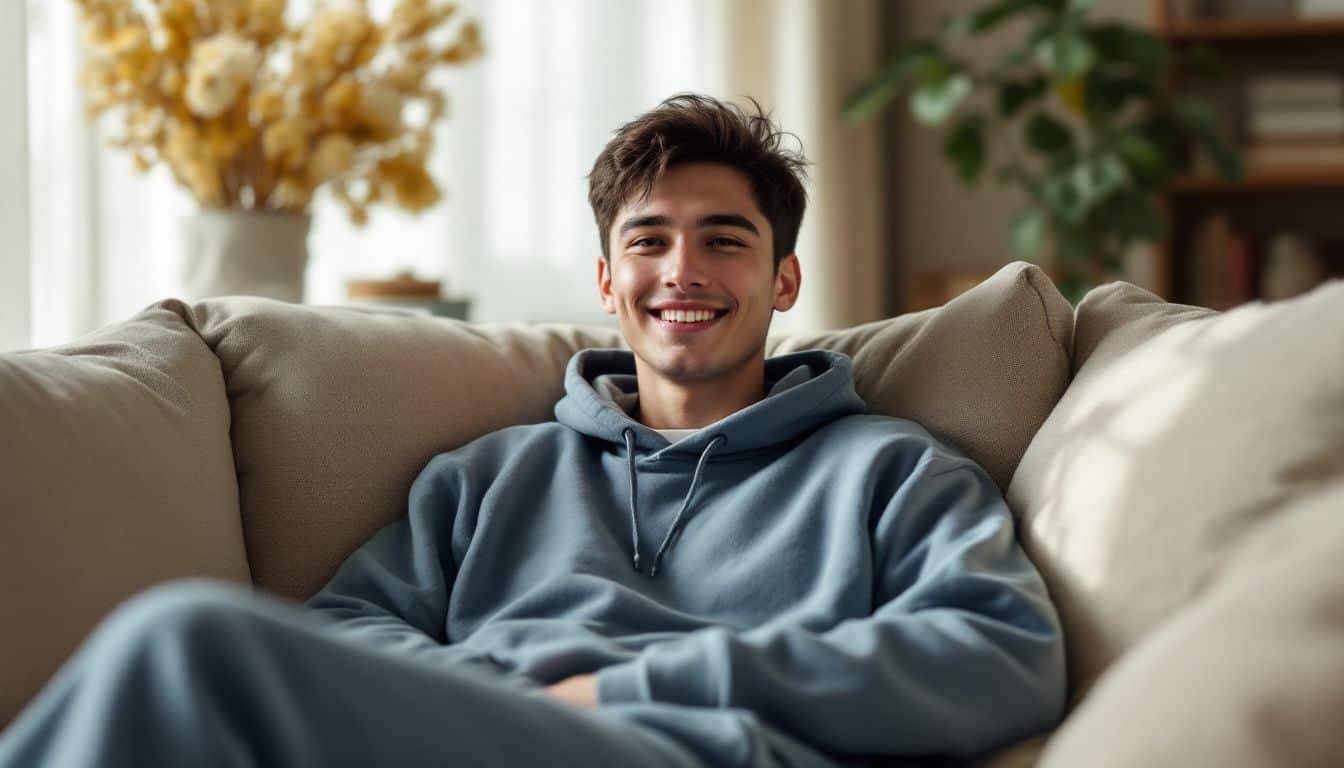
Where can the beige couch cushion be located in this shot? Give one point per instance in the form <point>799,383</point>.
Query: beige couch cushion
<point>336,411</point>
<point>1252,676</point>
<point>116,474</point>
<point>1182,430</point>
<point>983,370</point>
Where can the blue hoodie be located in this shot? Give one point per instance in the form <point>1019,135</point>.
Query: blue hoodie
<point>848,577</point>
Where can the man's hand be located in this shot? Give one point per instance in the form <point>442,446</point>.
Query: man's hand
<point>579,690</point>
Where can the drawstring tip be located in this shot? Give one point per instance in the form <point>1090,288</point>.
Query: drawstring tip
<point>636,562</point>
<point>653,569</point>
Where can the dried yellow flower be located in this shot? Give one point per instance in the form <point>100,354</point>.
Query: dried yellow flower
<point>269,104</point>
<point>248,111</point>
<point>379,112</point>
<point>285,144</point>
<point>220,67</point>
<point>340,103</point>
<point>292,193</point>
<point>334,155</point>
<point>333,39</point>
<point>266,21</point>
<point>407,182</point>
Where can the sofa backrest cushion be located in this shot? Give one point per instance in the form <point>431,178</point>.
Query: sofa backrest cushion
<point>115,473</point>
<point>1249,676</point>
<point>983,370</point>
<point>1182,431</point>
<point>335,411</point>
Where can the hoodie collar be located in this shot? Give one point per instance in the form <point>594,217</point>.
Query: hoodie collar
<point>804,390</point>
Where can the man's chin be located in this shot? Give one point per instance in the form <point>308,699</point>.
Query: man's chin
<point>681,368</point>
<point>686,370</point>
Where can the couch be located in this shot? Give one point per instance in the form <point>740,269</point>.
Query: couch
<point>1177,475</point>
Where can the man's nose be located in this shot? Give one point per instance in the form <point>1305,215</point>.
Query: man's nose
<point>684,264</point>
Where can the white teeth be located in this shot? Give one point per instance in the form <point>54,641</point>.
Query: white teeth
<point>681,316</point>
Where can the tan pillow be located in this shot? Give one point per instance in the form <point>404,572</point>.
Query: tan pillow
<point>1181,431</point>
<point>984,370</point>
<point>116,473</point>
<point>336,411</point>
<point>1252,676</point>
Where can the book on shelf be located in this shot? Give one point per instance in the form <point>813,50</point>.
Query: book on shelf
<point>1294,90</point>
<point>1315,9</point>
<point>1300,105</point>
<point>1273,155</point>
<point>1235,9</point>
<point>1297,123</point>
<point>1223,266</point>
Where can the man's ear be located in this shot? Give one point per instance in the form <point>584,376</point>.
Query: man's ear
<point>604,286</point>
<point>788,280</point>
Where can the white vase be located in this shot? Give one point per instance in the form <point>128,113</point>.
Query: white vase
<point>235,252</point>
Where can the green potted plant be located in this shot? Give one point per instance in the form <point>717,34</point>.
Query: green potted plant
<point>1079,116</point>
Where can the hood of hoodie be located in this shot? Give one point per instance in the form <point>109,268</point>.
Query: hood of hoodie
<point>803,390</point>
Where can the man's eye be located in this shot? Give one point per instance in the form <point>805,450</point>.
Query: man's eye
<point>727,241</point>
<point>641,241</point>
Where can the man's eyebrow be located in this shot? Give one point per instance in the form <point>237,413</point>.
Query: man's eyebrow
<point>635,222</point>
<point>712,220</point>
<point>729,220</point>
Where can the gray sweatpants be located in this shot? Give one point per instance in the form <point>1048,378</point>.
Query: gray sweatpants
<point>203,673</point>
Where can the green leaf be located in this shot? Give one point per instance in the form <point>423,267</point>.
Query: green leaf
<point>1014,95</point>
<point>934,100</point>
<point>965,147</point>
<point>1194,114</point>
<point>1047,135</point>
<point>1199,119</point>
<point>1132,216</point>
<point>1225,158</point>
<point>1075,246</point>
<point>1095,180</point>
<point>1163,131</point>
<point>1081,6</point>
<point>1106,95</point>
<point>1028,233</point>
<point>1019,55</point>
<point>985,19</point>
<point>1143,157</point>
<point>1202,61</point>
<point>1118,43</point>
<point>1062,200</point>
<point>1066,54</point>
<point>876,92</point>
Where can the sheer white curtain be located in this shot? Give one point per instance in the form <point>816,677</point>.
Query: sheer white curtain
<point>514,231</point>
<point>14,249</point>
<point>104,237</point>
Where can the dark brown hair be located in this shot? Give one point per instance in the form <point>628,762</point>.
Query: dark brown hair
<point>691,128</point>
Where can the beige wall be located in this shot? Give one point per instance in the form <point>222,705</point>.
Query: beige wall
<point>940,222</point>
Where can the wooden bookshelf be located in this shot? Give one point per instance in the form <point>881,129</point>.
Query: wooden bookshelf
<point>1226,30</point>
<point>1261,180</point>
<point>1269,199</point>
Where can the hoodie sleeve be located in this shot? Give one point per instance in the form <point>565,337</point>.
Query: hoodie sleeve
<point>393,591</point>
<point>962,654</point>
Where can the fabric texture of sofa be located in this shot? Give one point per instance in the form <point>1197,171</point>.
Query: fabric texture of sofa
<point>1177,475</point>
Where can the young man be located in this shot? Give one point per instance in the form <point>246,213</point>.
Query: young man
<point>709,558</point>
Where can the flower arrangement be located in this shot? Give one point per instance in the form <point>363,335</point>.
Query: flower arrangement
<point>251,113</point>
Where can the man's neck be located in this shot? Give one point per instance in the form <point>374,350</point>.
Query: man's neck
<point>667,404</point>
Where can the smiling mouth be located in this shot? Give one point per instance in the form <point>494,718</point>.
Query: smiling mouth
<point>674,326</point>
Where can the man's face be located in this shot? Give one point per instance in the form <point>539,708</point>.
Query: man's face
<point>698,242</point>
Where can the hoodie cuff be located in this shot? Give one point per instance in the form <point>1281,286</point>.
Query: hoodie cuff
<point>622,682</point>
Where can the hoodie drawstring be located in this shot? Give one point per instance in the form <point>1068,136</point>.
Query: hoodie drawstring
<point>629,435</point>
